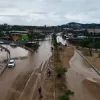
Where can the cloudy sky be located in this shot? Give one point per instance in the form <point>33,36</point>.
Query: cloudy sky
<point>49,12</point>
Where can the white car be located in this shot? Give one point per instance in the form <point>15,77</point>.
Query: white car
<point>13,44</point>
<point>11,63</point>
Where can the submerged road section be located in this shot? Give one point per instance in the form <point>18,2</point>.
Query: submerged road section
<point>30,61</point>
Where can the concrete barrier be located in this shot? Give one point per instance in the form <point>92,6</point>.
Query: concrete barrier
<point>23,46</point>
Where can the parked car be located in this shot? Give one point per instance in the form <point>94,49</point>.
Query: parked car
<point>11,63</point>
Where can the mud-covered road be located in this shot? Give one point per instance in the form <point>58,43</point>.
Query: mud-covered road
<point>79,72</point>
<point>14,79</point>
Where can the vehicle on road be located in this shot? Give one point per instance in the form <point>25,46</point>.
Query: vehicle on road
<point>13,44</point>
<point>11,63</point>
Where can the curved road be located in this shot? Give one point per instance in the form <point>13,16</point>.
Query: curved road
<point>78,72</point>
<point>29,62</point>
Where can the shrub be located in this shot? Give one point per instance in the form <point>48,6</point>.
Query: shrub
<point>59,44</point>
<point>60,71</point>
<point>69,92</point>
<point>83,43</point>
<point>51,48</point>
<point>61,86</point>
<point>99,55</point>
<point>64,97</point>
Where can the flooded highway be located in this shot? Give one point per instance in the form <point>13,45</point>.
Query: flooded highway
<point>78,72</point>
<point>33,60</point>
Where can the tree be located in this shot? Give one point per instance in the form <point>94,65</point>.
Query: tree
<point>54,39</point>
<point>66,96</point>
<point>90,46</point>
<point>30,36</point>
<point>1,33</point>
<point>96,45</point>
<point>84,43</point>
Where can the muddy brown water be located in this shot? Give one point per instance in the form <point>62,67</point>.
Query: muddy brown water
<point>17,51</point>
<point>33,60</point>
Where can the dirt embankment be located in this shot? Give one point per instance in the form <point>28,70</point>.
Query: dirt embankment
<point>93,87</point>
<point>54,87</point>
<point>94,59</point>
<point>66,55</point>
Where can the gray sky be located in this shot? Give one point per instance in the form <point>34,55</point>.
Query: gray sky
<point>49,12</point>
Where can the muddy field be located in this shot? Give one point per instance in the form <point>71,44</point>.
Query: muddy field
<point>93,87</point>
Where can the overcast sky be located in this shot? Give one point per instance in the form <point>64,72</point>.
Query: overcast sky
<point>49,12</point>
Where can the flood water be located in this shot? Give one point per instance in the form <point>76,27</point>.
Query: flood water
<point>76,74</point>
<point>16,51</point>
<point>59,39</point>
<point>3,55</point>
<point>33,60</point>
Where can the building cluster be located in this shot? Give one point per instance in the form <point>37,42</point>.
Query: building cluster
<point>81,33</point>
<point>17,35</point>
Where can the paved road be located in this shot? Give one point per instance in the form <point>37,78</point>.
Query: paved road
<point>29,63</point>
<point>78,72</point>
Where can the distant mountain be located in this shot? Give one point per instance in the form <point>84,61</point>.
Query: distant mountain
<point>75,25</point>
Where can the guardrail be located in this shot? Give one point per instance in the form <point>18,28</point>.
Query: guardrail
<point>26,48</point>
<point>5,49</point>
<point>8,58</point>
